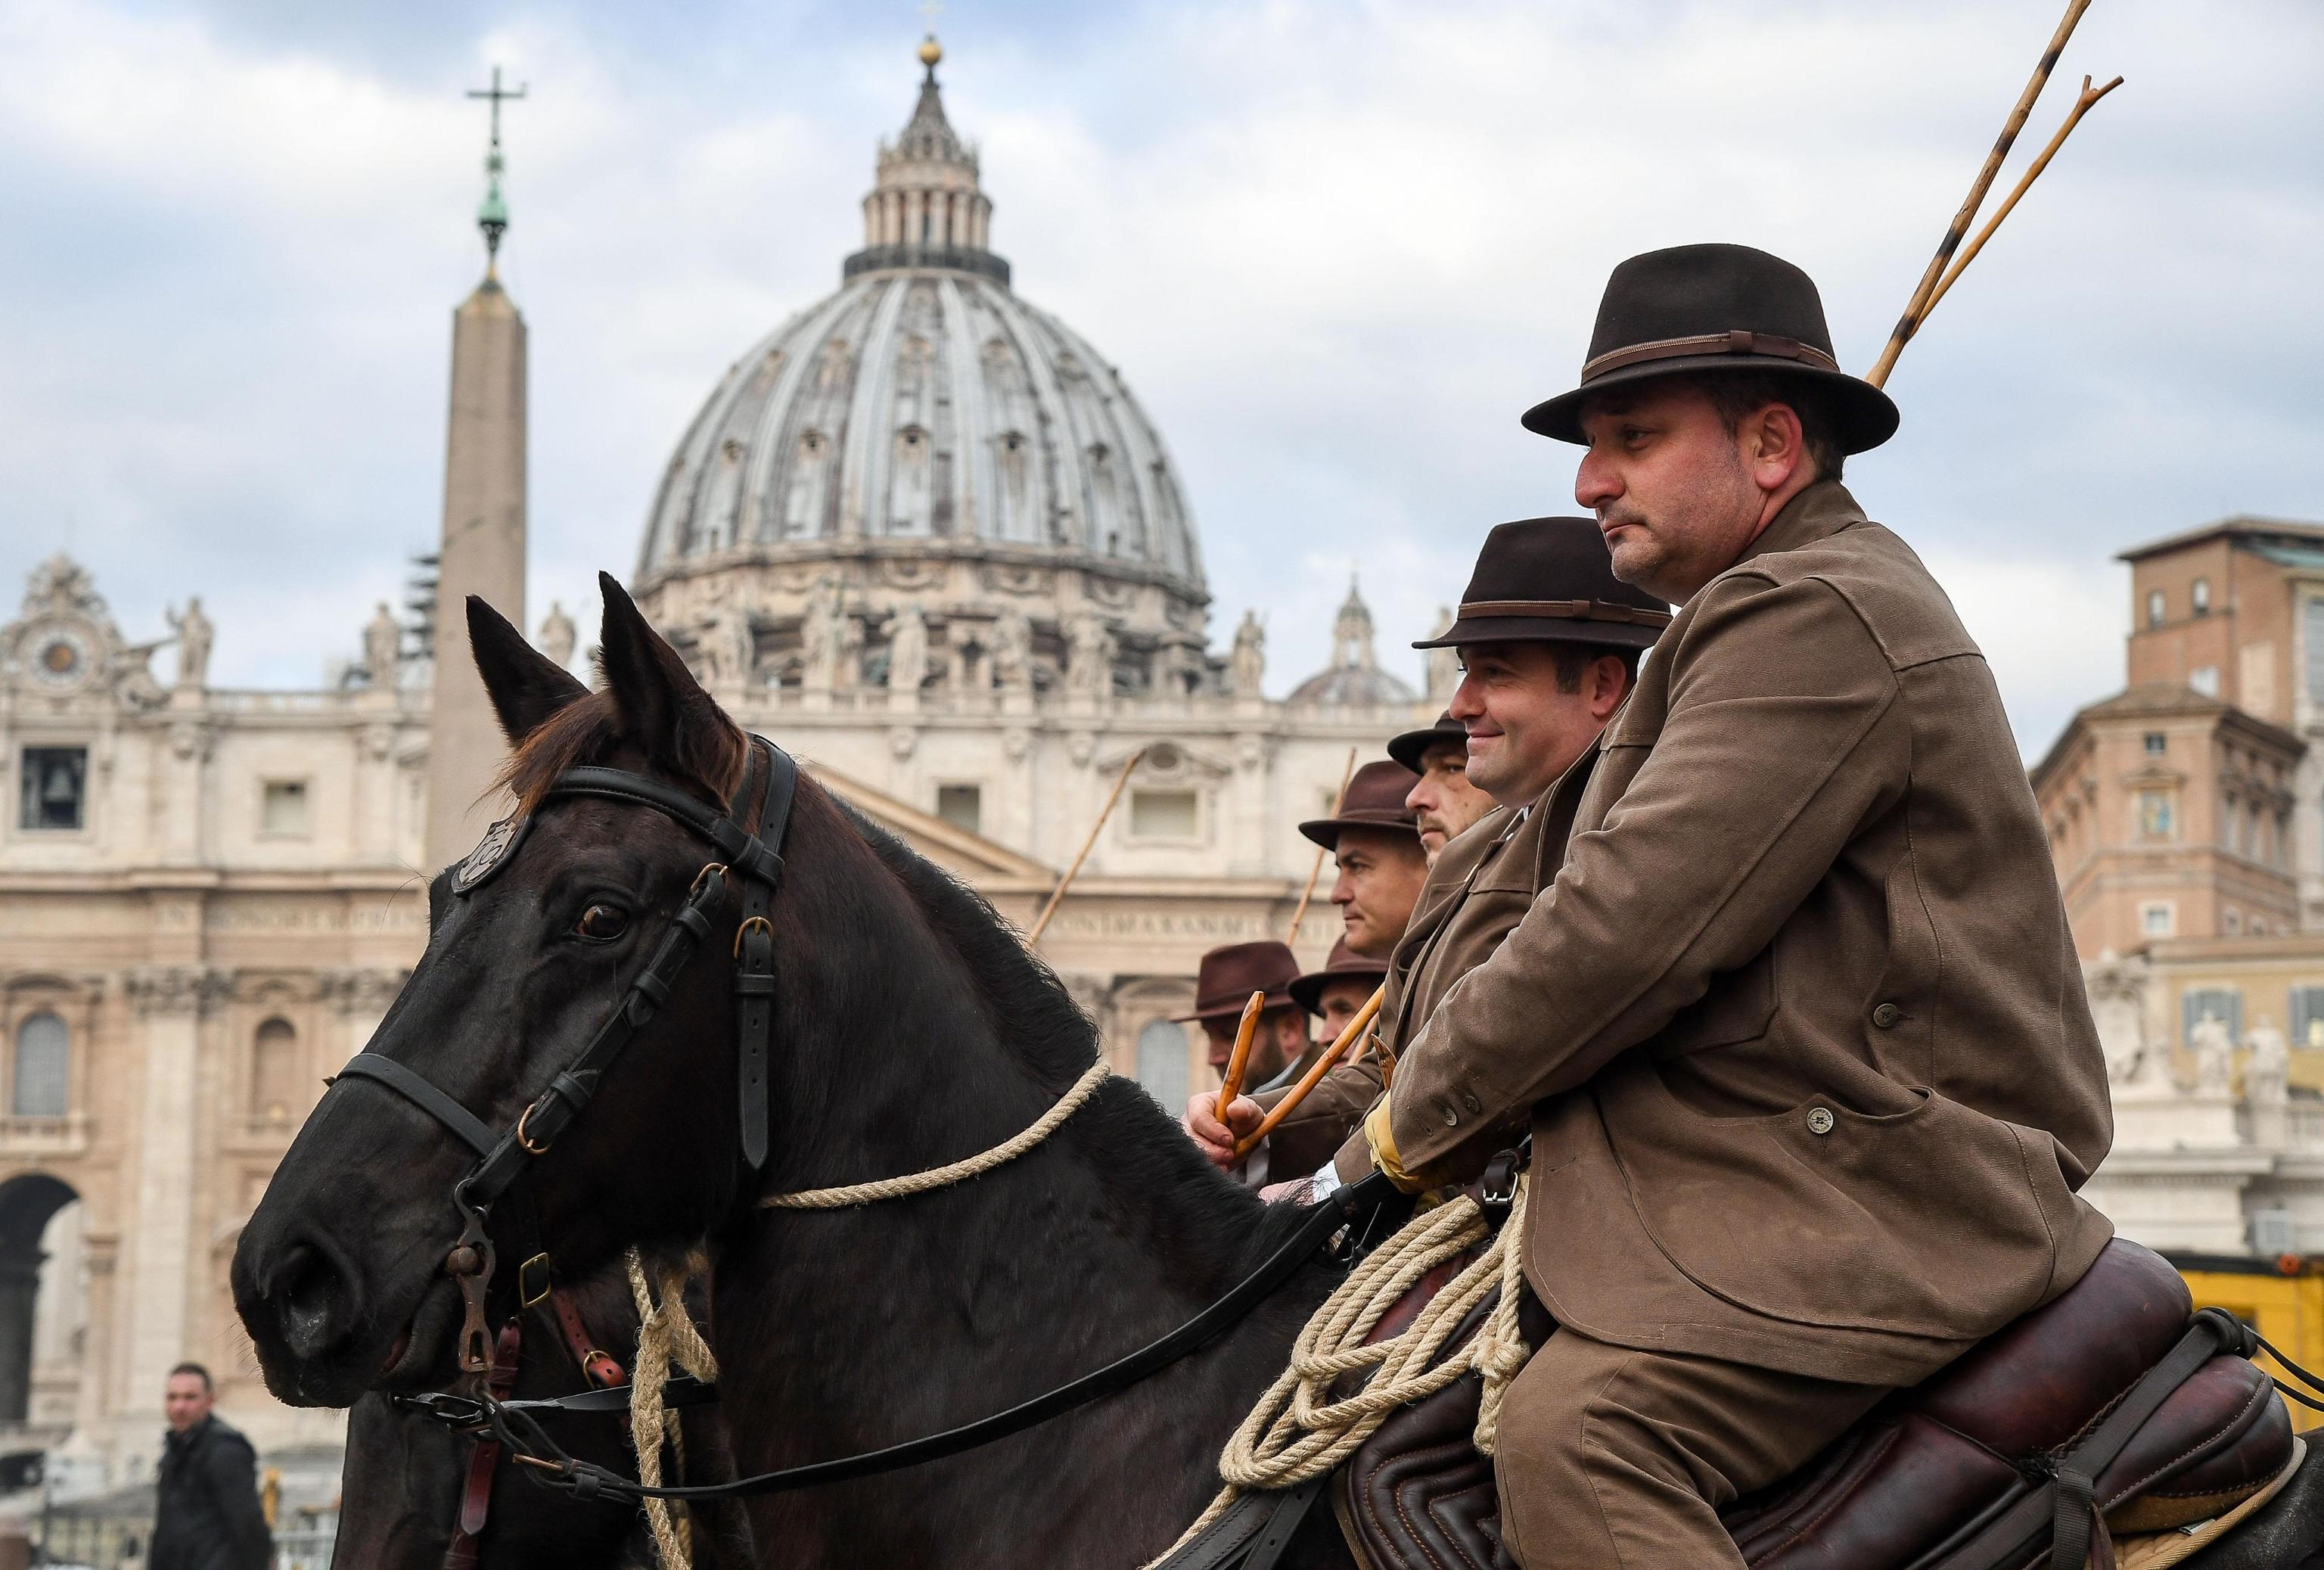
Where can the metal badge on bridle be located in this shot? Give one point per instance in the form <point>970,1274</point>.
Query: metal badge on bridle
<point>492,853</point>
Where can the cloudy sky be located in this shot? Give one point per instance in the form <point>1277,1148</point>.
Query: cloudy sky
<point>1335,247</point>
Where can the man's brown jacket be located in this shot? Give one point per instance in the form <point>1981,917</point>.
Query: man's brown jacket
<point>1812,1075</point>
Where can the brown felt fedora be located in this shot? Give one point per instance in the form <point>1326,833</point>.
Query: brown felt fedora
<point>1227,977</point>
<point>1411,746</point>
<point>1717,308</point>
<point>1374,799</point>
<point>1307,991</point>
<point>1550,580</point>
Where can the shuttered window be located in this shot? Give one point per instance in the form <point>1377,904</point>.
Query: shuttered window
<point>2225,1005</point>
<point>2308,1017</point>
<point>1162,1064</point>
<point>43,1061</point>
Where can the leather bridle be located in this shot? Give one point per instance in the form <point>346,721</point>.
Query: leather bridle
<point>751,857</point>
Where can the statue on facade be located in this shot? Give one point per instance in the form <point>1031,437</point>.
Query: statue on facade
<point>1090,647</point>
<point>822,636</point>
<point>2118,994</point>
<point>1444,665</point>
<point>728,647</point>
<point>382,646</point>
<point>558,635</point>
<point>1012,652</point>
<point>195,635</point>
<point>907,648</point>
<point>1246,665</point>
<point>2214,1056</point>
<point>2267,1072</point>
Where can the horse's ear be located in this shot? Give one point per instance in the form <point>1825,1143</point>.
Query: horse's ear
<point>661,707</point>
<point>526,686</point>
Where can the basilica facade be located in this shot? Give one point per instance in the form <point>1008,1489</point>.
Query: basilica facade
<point>922,535</point>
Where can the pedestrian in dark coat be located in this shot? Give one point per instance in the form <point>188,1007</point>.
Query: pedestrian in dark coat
<point>206,1517</point>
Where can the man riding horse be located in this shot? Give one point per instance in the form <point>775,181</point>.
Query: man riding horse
<point>1797,1026</point>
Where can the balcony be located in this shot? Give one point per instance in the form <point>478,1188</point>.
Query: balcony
<point>40,1137</point>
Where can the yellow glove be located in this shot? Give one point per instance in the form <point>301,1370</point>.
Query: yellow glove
<point>1381,1136</point>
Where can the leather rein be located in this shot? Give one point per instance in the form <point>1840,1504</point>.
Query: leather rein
<point>752,856</point>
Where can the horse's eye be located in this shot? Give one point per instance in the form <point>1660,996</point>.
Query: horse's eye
<point>603,923</point>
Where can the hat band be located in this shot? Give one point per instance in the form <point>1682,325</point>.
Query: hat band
<point>1565,611</point>
<point>1765,345</point>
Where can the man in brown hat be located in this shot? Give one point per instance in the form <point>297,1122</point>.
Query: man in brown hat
<point>1376,847</point>
<point>1797,1026</point>
<point>1223,983</point>
<point>1335,993</point>
<point>1551,642</point>
<point>1444,803</point>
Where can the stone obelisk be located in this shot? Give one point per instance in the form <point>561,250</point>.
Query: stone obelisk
<point>482,548</point>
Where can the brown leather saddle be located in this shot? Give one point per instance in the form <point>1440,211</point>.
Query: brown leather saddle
<point>1936,1476</point>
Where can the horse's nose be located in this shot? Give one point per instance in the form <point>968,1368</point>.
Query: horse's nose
<point>316,1299</point>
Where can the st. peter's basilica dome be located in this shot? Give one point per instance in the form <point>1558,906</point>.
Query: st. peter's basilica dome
<point>923,424</point>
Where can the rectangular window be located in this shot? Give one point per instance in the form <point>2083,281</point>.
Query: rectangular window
<point>961,806</point>
<point>54,787</point>
<point>2232,921</point>
<point>2154,607</point>
<point>2199,598</point>
<point>2205,680</point>
<point>2155,743</point>
<point>2225,1005</point>
<point>1163,815</point>
<point>2158,817</point>
<point>2308,1017</point>
<point>2158,918</point>
<point>2311,645</point>
<point>283,808</point>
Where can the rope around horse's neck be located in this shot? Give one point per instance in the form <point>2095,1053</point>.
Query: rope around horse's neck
<point>1297,1432</point>
<point>958,1171</point>
<point>666,1332</point>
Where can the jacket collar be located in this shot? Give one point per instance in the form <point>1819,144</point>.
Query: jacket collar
<point>1818,513</point>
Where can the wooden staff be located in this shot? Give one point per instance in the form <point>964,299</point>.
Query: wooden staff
<point>1909,323</point>
<point>1313,1076</point>
<point>1339,805</point>
<point>1041,922</point>
<point>1244,1032</point>
<point>2089,96</point>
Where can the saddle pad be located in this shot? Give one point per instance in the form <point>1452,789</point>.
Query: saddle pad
<point>1896,1490</point>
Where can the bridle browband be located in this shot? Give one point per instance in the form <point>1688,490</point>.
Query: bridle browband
<point>753,857</point>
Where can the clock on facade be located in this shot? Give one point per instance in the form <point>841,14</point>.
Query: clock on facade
<point>61,656</point>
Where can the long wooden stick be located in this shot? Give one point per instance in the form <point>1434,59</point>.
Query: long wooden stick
<point>1041,923</point>
<point>1236,1065</point>
<point>2089,96</point>
<point>1315,1075</point>
<point>1907,324</point>
<point>1339,805</point>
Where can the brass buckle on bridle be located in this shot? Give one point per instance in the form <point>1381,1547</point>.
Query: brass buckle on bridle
<point>527,1294</point>
<point>524,1139</point>
<point>760,922</point>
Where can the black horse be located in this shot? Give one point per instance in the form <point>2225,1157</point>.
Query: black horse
<point>912,1029</point>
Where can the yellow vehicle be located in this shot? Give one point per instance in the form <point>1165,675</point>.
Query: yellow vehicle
<point>2282,1297</point>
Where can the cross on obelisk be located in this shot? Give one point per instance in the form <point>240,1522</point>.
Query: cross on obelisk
<point>492,217</point>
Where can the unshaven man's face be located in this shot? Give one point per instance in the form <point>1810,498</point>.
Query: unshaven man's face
<point>1445,800</point>
<point>1281,1038</point>
<point>1339,999</point>
<point>1380,873</point>
<point>1523,729</point>
<point>1677,494</point>
<point>185,1401</point>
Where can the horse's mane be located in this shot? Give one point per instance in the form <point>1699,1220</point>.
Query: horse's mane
<point>589,730</point>
<point>1036,1017</point>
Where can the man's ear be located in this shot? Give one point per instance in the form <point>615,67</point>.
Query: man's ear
<point>661,708</point>
<point>1609,683</point>
<point>1776,447</point>
<point>526,686</point>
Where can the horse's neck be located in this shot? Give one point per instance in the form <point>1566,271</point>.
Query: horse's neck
<point>846,1330</point>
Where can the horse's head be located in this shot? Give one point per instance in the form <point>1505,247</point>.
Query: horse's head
<point>339,1273</point>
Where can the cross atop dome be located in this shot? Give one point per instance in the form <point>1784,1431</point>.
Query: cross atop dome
<point>925,207</point>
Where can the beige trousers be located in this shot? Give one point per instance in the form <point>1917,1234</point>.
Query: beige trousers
<point>1609,1457</point>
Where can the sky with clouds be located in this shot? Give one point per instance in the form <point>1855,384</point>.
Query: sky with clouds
<point>1335,248</point>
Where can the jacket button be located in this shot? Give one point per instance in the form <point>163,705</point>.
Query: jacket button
<point>1820,1120</point>
<point>1452,1118</point>
<point>1887,1015</point>
<point>1469,1099</point>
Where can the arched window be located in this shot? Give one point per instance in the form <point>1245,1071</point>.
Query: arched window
<point>43,1059</point>
<point>274,1070</point>
<point>1162,1064</point>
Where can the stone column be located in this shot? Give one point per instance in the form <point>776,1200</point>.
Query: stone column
<point>168,1001</point>
<point>483,554</point>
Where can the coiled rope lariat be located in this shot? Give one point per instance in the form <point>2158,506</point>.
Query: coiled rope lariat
<point>1297,1431</point>
<point>666,1334</point>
